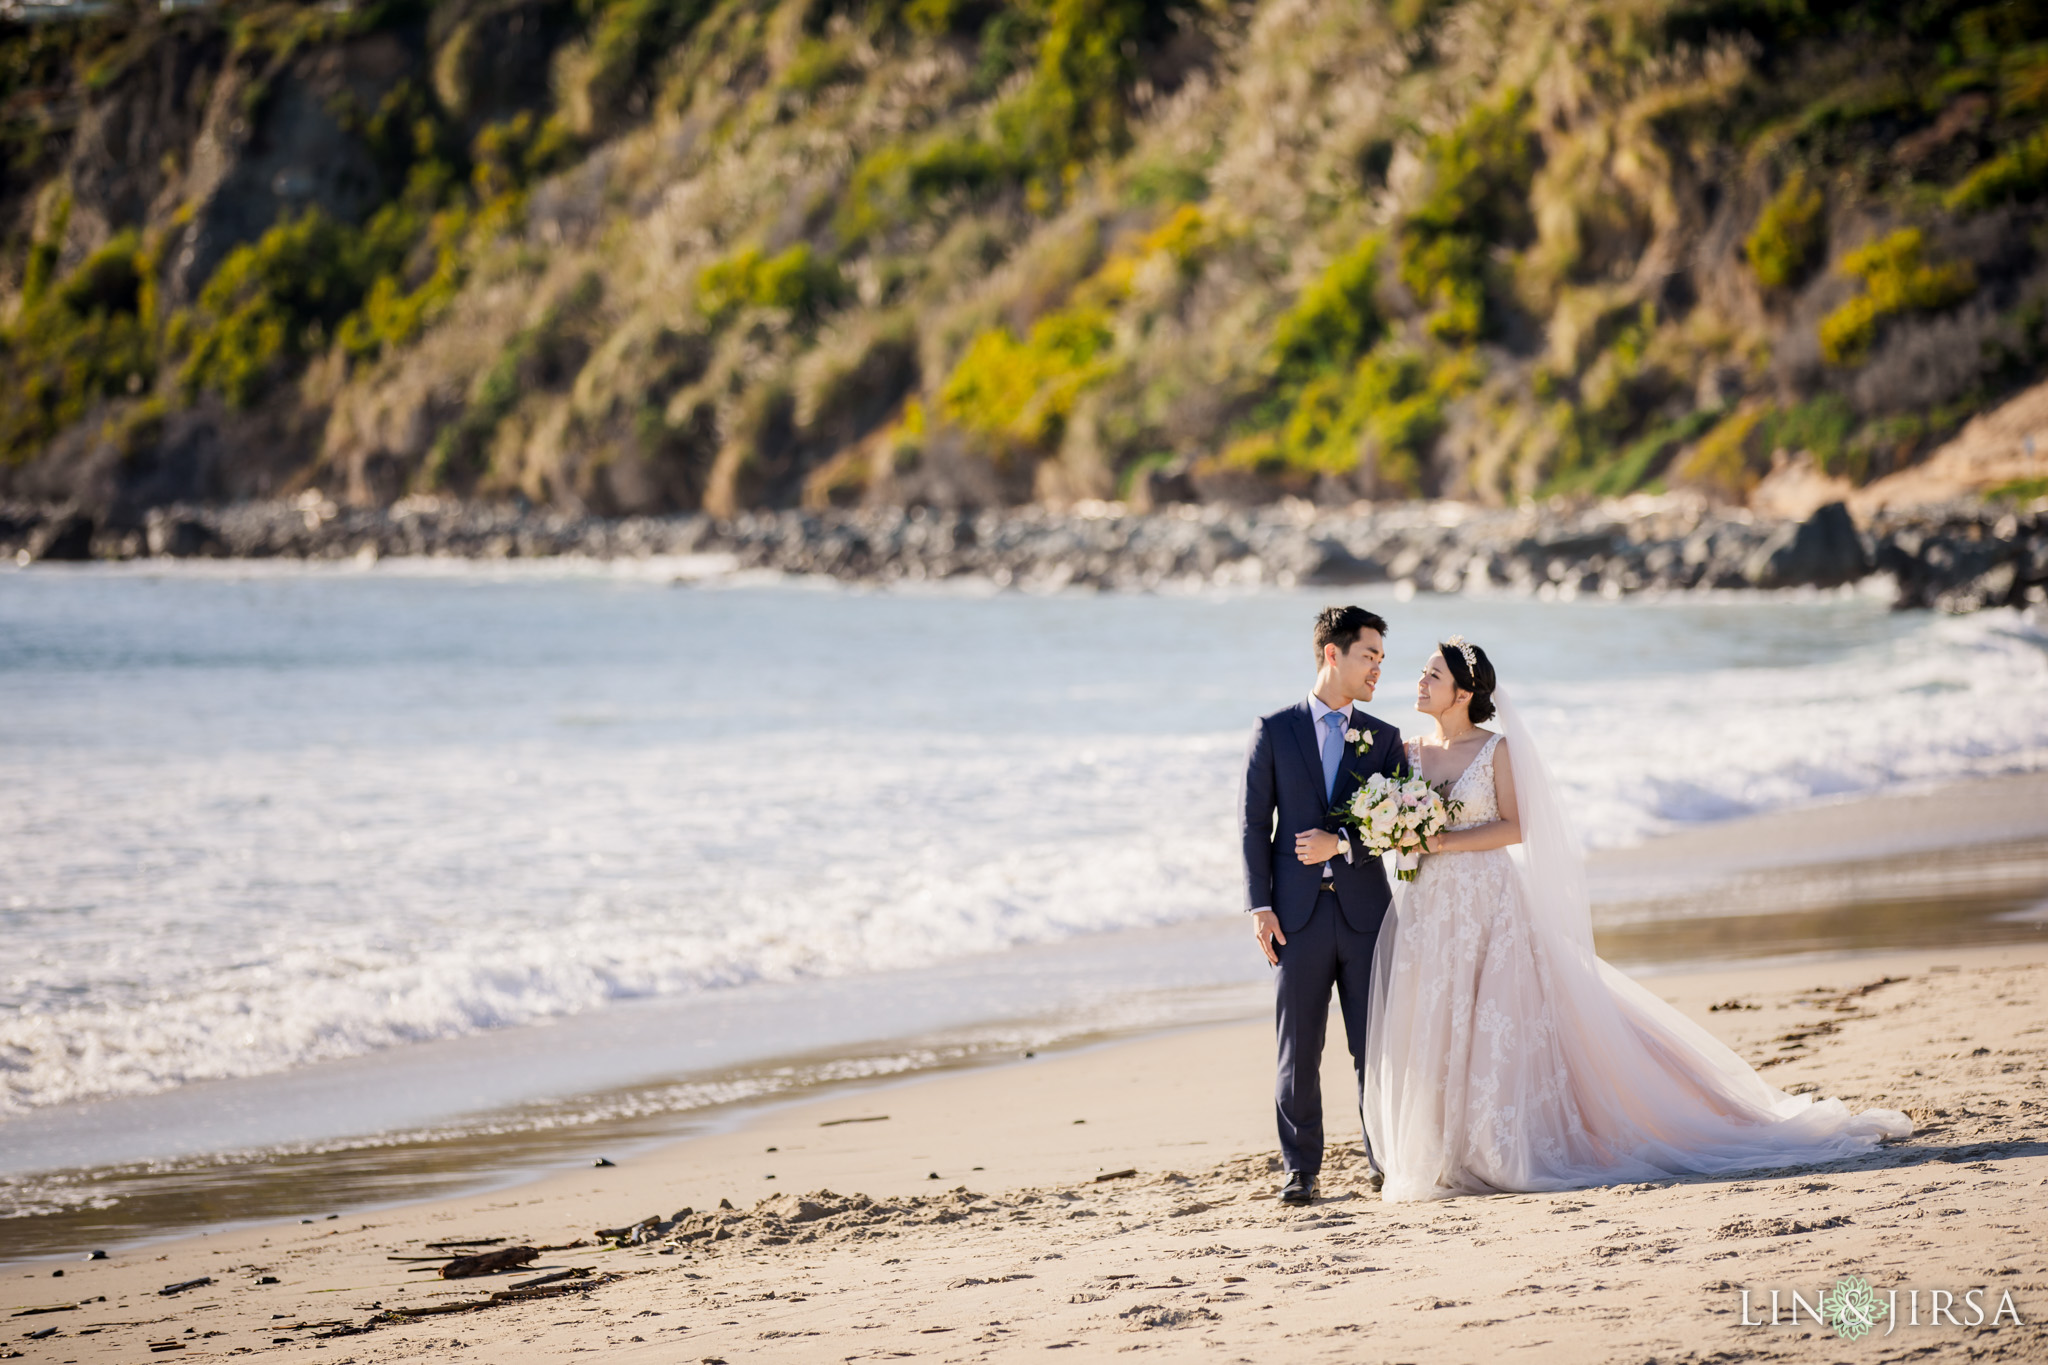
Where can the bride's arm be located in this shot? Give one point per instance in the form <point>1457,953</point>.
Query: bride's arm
<point>1494,833</point>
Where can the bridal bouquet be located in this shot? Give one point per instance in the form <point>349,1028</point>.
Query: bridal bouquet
<point>1398,816</point>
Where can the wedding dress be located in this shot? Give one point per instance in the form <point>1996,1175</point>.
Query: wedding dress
<point>1502,1054</point>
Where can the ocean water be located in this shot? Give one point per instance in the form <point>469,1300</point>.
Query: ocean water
<point>254,820</point>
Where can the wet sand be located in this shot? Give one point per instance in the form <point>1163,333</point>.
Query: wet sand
<point>1119,1198</point>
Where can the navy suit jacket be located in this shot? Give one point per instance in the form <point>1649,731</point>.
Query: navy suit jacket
<point>1283,777</point>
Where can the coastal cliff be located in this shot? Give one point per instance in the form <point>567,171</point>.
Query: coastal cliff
<point>660,257</point>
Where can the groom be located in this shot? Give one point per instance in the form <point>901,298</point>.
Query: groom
<point>1316,901</point>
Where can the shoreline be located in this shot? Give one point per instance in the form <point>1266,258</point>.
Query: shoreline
<point>1955,557</point>
<point>1742,895</point>
<point>870,1269</point>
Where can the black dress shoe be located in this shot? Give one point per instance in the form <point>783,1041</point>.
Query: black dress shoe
<point>1377,1179</point>
<point>1299,1189</point>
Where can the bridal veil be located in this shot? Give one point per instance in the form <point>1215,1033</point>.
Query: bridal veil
<point>1569,1073</point>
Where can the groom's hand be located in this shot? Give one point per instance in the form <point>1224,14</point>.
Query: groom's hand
<point>1315,846</point>
<point>1266,925</point>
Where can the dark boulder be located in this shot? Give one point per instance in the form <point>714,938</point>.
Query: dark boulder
<point>1328,562</point>
<point>64,536</point>
<point>1824,551</point>
<point>179,535</point>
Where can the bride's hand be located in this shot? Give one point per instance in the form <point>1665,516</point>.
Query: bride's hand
<point>1313,846</point>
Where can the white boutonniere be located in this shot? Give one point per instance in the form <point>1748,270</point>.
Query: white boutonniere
<point>1361,739</point>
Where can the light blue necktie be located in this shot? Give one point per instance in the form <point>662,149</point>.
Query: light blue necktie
<point>1333,750</point>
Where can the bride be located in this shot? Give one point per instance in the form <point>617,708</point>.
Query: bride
<point>1501,1054</point>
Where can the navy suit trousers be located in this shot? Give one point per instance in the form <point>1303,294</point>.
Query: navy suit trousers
<point>1327,951</point>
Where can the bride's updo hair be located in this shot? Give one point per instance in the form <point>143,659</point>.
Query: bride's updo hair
<point>1478,681</point>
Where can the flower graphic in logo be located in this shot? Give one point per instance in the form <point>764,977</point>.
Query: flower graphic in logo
<point>1852,1307</point>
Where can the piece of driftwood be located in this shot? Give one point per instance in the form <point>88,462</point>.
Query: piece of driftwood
<point>516,1294</point>
<point>872,1118</point>
<point>435,1310</point>
<point>616,1234</point>
<point>1116,1175</point>
<point>465,1242</point>
<point>184,1285</point>
<point>46,1308</point>
<point>505,1258</point>
<point>574,1273</point>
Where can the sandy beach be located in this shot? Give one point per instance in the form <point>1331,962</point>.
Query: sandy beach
<point>1120,1198</point>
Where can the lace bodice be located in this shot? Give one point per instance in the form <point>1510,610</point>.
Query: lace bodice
<point>1473,789</point>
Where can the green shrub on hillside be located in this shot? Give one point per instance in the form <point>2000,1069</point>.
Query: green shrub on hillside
<point>895,182</point>
<point>1821,427</point>
<point>818,63</point>
<point>1024,391</point>
<point>1383,413</point>
<point>310,280</point>
<point>1335,320</point>
<point>1726,458</point>
<point>1478,198</point>
<point>1637,462</point>
<point>1167,182</point>
<point>2018,490</point>
<point>433,220</point>
<point>799,281</point>
<point>1787,235</point>
<point>537,357</point>
<point>627,39</point>
<point>1074,107</point>
<point>84,339</point>
<point>1895,280</point>
<point>509,155</point>
<point>1343,399</point>
<point>1733,455</point>
<point>276,301</point>
<point>1181,239</point>
<point>392,315</point>
<point>2018,173</point>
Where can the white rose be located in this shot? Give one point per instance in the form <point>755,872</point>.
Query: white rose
<point>1353,736</point>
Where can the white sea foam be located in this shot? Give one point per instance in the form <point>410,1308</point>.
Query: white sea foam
<point>278,822</point>
<point>1958,697</point>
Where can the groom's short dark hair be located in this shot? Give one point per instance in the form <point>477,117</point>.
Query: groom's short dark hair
<point>1340,626</point>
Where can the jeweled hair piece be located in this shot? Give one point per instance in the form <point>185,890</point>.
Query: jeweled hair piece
<point>1471,659</point>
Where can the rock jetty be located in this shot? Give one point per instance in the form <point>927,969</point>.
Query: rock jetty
<point>1957,558</point>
